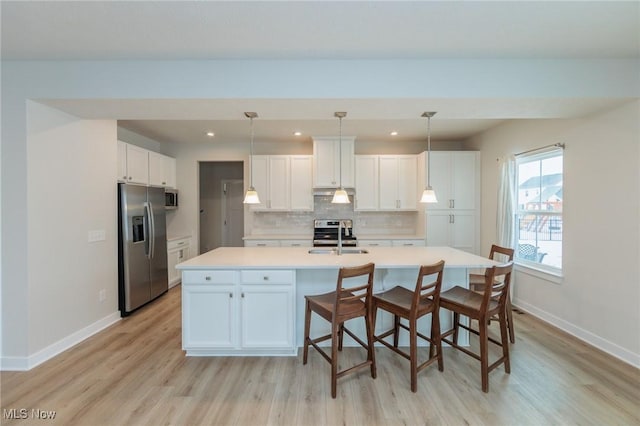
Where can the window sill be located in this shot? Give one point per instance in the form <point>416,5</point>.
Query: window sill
<point>543,274</point>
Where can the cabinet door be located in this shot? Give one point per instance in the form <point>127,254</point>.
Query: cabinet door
<point>137,165</point>
<point>348,162</point>
<point>122,161</point>
<point>388,177</point>
<point>267,316</point>
<point>324,165</point>
<point>464,180</point>
<point>366,197</point>
<point>173,258</point>
<point>209,317</point>
<point>169,172</point>
<point>301,182</point>
<point>440,178</point>
<point>408,182</point>
<point>438,228</point>
<point>463,231</point>
<point>279,183</point>
<point>260,167</point>
<point>156,169</point>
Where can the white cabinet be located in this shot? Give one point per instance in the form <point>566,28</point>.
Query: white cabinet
<point>398,177</point>
<point>162,170</point>
<point>455,178</point>
<point>408,243</point>
<point>239,312</point>
<point>283,182</point>
<point>386,183</point>
<point>262,243</point>
<point>296,243</point>
<point>366,170</point>
<point>301,182</point>
<point>327,158</point>
<point>454,220</point>
<point>138,165</point>
<point>374,243</point>
<point>178,251</point>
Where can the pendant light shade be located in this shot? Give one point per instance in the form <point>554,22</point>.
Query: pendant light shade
<point>428,195</point>
<point>340,196</point>
<point>251,197</point>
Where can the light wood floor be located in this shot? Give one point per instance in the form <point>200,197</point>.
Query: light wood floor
<point>134,373</point>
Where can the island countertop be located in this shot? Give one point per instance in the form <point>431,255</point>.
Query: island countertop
<point>300,258</point>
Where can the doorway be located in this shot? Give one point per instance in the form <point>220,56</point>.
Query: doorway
<point>221,224</point>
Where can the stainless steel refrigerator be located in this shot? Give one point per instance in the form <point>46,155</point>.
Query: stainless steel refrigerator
<point>142,246</point>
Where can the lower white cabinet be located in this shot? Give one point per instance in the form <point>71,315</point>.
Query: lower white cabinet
<point>374,243</point>
<point>457,229</point>
<point>238,312</point>
<point>177,252</point>
<point>408,243</point>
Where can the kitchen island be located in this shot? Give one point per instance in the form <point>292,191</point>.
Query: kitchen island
<point>250,300</point>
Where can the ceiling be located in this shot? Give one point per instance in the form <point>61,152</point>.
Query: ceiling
<point>177,30</point>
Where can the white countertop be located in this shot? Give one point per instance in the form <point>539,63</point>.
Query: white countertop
<point>299,258</point>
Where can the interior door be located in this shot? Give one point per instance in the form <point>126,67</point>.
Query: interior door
<point>233,213</point>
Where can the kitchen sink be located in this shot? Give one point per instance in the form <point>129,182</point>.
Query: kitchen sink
<point>335,251</point>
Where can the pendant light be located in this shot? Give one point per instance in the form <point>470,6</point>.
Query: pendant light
<point>428,195</point>
<point>340,196</point>
<point>251,197</point>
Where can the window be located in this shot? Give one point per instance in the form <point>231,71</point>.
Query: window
<point>539,210</point>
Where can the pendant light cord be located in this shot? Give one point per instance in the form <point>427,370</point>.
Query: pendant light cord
<point>340,153</point>
<point>429,151</point>
<point>251,159</point>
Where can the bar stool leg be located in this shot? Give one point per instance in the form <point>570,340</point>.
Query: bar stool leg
<point>307,326</point>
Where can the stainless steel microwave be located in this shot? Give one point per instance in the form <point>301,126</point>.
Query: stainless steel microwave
<point>170,199</point>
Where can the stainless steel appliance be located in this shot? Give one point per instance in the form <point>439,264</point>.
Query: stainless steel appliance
<point>170,199</point>
<point>142,246</point>
<point>326,231</point>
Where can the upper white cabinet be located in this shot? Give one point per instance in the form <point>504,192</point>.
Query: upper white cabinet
<point>454,220</point>
<point>455,178</point>
<point>398,182</point>
<point>386,182</point>
<point>138,165</point>
<point>162,170</point>
<point>367,191</point>
<point>327,159</point>
<point>283,182</point>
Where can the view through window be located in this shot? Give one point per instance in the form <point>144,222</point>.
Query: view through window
<point>539,209</point>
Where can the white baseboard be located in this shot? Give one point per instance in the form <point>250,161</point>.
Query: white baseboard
<point>27,363</point>
<point>584,335</point>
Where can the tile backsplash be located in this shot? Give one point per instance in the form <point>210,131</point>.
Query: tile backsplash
<point>364,223</point>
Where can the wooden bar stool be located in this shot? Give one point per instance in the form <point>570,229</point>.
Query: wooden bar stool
<point>476,283</point>
<point>337,307</point>
<point>481,307</point>
<point>412,305</point>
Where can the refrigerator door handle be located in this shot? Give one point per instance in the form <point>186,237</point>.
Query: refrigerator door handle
<point>148,246</point>
<point>152,232</point>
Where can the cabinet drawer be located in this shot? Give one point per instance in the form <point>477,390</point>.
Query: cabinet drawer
<point>408,243</point>
<point>262,243</point>
<point>177,244</point>
<point>209,277</point>
<point>374,243</point>
<point>266,277</point>
<point>296,243</point>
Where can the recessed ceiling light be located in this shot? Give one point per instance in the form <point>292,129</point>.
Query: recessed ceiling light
<point>394,133</point>
<point>211,134</point>
<point>297,133</point>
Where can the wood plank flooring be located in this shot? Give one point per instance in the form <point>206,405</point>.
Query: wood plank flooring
<point>135,373</point>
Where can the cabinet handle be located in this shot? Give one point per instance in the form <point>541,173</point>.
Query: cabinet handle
<point>130,178</point>
<point>265,278</point>
<point>164,183</point>
<point>181,243</point>
<point>407,244</point>
<point>295,245</point>
<point>261,245</point>
<point>207,278</point>
<point>230,295</point>
<point>373,244</point>
<point>243,295</point>
<point>124,177</point>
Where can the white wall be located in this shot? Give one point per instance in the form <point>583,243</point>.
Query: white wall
<point>598,299</point>
<point>71,190</point>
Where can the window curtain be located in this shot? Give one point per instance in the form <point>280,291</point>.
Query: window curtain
<point>505,218</point>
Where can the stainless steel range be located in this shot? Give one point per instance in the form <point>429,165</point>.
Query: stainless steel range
<point>326,231</point>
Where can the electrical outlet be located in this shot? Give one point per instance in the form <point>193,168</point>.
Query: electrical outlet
<point>102,295</point>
